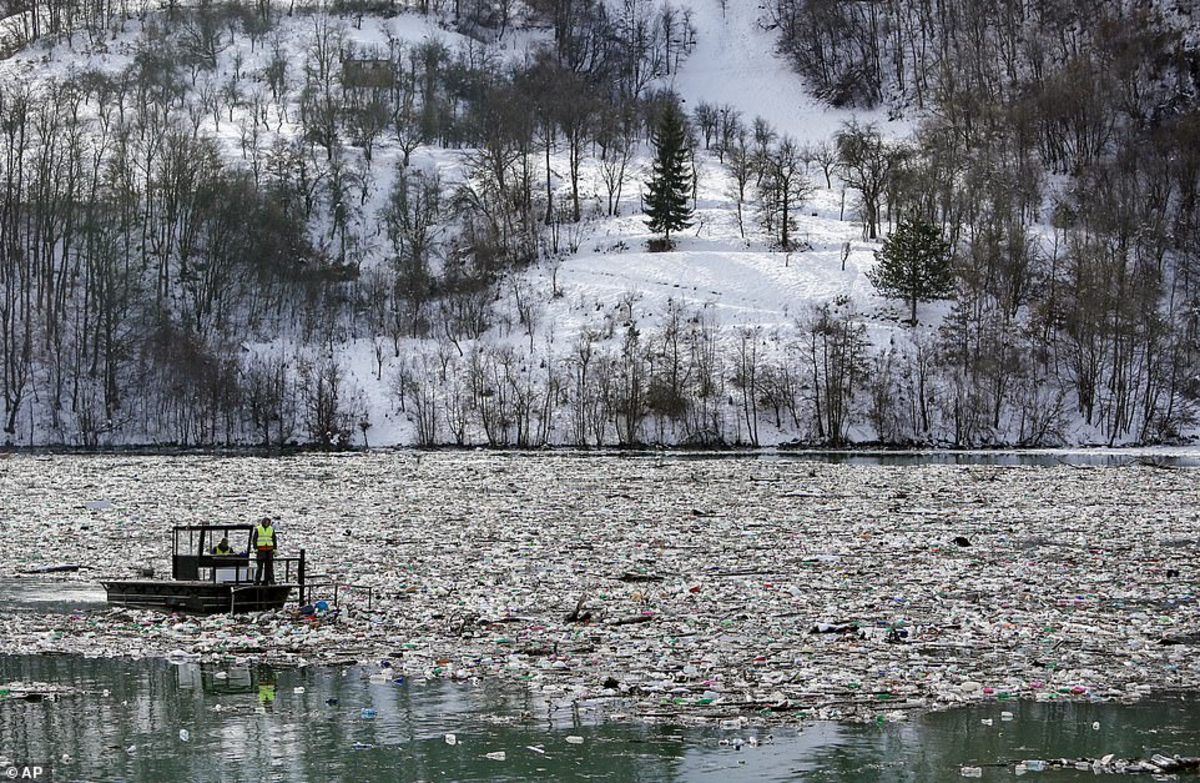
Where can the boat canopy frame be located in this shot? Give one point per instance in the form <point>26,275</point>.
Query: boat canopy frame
<point>188,559</point>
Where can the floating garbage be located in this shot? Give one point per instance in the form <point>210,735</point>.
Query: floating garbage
<point>51,569</point>
<point>971,772</point>
<point>497,755</point>
<point>182,656</point>
<point>451,739</point>
<point>367,713</point>
<point>34,691</point>
<point>1109,764</point>
<point>184,735</point>
<point>587,583</point>
<point>573,739</point>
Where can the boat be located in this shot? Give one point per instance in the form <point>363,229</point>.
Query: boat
<point>203,582</point>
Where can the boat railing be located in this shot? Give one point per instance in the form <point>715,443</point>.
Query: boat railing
<point>240,569</point>
<point>324,583</point>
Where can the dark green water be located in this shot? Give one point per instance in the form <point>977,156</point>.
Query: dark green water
<point>237,733</point>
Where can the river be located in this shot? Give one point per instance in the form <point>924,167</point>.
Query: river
<point>1042,585</point>
<point>121,721</point>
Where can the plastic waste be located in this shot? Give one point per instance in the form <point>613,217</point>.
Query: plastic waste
<point>856,553</point>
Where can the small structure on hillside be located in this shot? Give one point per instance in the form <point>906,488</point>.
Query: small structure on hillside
<point>367,73</point>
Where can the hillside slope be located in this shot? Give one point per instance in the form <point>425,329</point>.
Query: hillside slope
<point>258,224</point>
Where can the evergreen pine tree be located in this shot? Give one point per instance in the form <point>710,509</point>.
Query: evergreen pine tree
<point>914,265</point>
<point>670,183</point>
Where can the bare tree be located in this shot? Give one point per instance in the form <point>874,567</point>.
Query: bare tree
<point>784,189</point>
<point>866,165</point>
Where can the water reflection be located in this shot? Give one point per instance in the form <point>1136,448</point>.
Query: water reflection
<point>1166,457</point>
<point>50,594</point>
<point>191,676</point>
<point>1047,459</point>
<point>257,724</point>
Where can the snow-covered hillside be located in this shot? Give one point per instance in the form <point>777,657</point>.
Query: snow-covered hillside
<point>586,338</point>
<point>743,282</point>
<point>737,283</point>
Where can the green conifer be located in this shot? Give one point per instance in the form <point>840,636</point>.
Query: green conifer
<point>914,265</point>
<point>670,184</point>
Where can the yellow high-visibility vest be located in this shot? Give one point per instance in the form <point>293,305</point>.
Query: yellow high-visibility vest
<point>264,537</point>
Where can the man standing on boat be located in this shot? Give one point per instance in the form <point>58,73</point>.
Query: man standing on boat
<point>264,542</point>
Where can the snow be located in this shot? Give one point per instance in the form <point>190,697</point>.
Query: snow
<point>735,63</point>
<point>736,282</point>
<point>743,283</point>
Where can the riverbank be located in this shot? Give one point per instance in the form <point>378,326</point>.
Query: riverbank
<point>667,588</point>
<point>1187,455</point>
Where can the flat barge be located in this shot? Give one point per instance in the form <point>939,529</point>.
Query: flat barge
<point>203,582</point>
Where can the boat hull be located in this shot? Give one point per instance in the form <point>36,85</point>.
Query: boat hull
<point>196,597</point>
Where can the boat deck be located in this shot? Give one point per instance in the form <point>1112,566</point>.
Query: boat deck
<point>229,586</point>
<point>197,596</point>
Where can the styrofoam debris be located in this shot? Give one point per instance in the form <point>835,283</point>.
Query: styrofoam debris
<point>1061,594</point>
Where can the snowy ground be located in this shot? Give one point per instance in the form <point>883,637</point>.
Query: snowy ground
<point>735,282</point>
<point>735,64</point>
<point>704,578</point>
<point>741,281</point>
<point>738,282</point>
